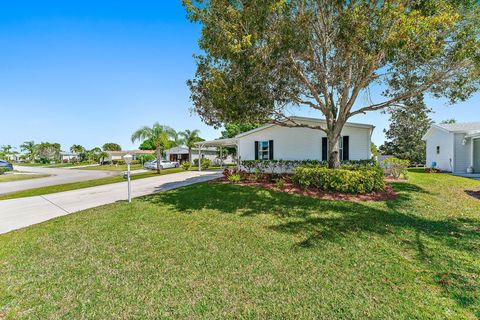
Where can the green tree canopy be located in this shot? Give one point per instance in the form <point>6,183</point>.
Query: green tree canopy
<point>264,57</point>
<point>110,146</point>
<point>408,124</point>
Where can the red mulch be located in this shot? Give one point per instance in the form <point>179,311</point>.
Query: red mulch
<point>473,194</point>
<point>387,194</point>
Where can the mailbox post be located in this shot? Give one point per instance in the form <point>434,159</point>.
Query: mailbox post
<point>128,160</point>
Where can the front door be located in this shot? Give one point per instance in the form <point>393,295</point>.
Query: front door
<point>476,155</point>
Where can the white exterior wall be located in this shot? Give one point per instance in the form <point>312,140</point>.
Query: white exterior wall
<point>463,153</point>
<point>304,143</point>
<point>445,140</point>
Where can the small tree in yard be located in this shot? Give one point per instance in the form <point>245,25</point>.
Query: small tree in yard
<point>263,57</point>
<point>160,135</point>
<point>110,146</point>
<point>188,138</point>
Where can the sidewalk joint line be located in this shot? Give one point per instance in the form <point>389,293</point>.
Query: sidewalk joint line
<point>56,205</point>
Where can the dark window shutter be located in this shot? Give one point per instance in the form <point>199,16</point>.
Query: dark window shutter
<point>346,148</point>
<point>324,148</point>
<point>256,150</point>
<point>270,150</point>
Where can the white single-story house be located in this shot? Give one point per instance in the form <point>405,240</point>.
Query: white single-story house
<point>68,156</point>
<point>276,142</point>
<point>180,154</point>
<point>454,147</point>
<point>118,155</point>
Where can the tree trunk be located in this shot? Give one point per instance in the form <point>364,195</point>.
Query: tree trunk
<point>159,158</point>
<point>190,155</point>
<point>333,150</point>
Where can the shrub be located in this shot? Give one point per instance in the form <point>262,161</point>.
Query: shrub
<point>206,163</point>
<point>395,167</point>
<point>280,184</point>
<point>135,162</point>
<point>145,157</point>
<point>4,169</point>
<point>186,165</point>
<point>118,162</point>
<point>359,180</point>
<point>280,166</point>
<point>234,177</point>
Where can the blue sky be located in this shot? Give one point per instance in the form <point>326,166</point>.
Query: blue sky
<point>89,72</point>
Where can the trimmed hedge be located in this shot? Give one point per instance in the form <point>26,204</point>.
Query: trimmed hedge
<point>348,179</point>
<point>271,166</point>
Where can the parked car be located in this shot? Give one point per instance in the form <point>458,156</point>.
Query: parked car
<point>6,164</point>
<point>164,164</point>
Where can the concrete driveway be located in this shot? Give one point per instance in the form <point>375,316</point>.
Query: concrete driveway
<point>23,212</point>
<point>58,176</point>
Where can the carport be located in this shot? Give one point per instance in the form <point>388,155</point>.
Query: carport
<point>221,144</point>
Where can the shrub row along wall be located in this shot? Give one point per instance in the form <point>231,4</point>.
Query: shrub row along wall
<point>284,166</point>
<point>348,179</point>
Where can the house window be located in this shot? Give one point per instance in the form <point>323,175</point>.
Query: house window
<point>438,149</point>
<point>263,150</point>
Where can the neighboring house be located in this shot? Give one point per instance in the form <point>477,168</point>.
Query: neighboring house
<point>275,142</point>
<point>454,147</point>
<point>68,156</point>
<point>118,155</point>
<point>180,154</point>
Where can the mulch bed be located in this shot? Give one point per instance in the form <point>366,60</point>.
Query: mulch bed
<point>387,194</point>
<point>473,194</point>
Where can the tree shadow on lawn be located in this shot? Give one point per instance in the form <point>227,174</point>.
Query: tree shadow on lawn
<point>318,221</point>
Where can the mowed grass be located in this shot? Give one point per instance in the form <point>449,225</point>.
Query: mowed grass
<point>17,177</point>
<point>82,184</point>
<point>215,251</point>
<point>112,167</point>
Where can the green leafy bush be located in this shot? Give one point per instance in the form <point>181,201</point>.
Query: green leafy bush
<point>4,169</point>
<point>206,163</point>
<point>395,167</point>
<point>186,165</point>
<point>280,184</point>
<point>271,166</point>
<point>359,179</point>
<point>234,177</point>
<point>135,162</point>
<point>118,162</point>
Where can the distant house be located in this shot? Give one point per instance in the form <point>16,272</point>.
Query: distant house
<point>454,147</point>
<point>118,155</point>
<point>180,154</point>
<point>68,156</point>
<point>275,142</point>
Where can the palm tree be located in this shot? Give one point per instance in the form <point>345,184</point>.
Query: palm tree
<point>189,137</point>
<point>30,148</point>
<point>76,148</point>
<point>161,136</point>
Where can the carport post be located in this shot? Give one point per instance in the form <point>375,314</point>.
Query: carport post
<point>199,158</point>
<point>221,157</point>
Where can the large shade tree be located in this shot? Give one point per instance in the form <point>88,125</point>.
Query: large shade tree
<point>263,58</point>
<point>189,138</point>
<point>160,135</point>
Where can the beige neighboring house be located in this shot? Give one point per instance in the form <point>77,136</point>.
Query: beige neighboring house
<point>118,155</point>
<point>180,154</point>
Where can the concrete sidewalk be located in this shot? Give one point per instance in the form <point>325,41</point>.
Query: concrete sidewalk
<point>23,212</point>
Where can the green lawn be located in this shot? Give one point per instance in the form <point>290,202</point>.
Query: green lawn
<point>112,167</point>
<point>216,251</point>
<point>16,177</point>
<point>81,185</point>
